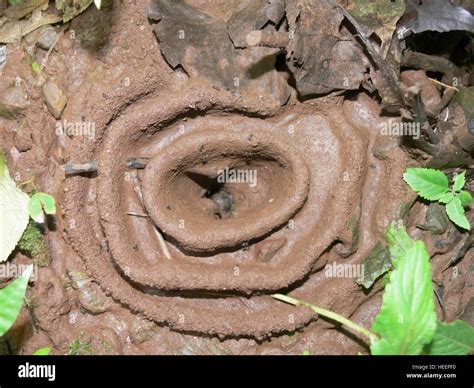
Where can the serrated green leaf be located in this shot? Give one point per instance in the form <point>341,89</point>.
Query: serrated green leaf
<point>446,197</point>
<point>456,213</point>
<point>39,204</point>
<point>11,300</point>
<point>407,319</point>
<point>455,338</point>
<point>42,352</point>
<point>428,183</point>
<point>465,197</point>
<point>13,210</point>
<point>459,181</point>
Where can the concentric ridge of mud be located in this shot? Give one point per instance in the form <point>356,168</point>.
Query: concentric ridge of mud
<point>171,194</point>
<point>222,270</point>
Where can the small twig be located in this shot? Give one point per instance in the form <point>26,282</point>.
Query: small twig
<point>91,166</point>
<point>440,301</point>
<point>138,215</point>
<point>30,181</point>
<point>330,315</point>
<point>137,163</point>
<point>46,57</point>
<point>420,111</point>
<point>161,240</point>
<point>79,168</point>
<point>245,303</point>
<point>443,84</point>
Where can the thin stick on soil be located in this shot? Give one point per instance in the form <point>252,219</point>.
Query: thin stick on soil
<point>79,168</point>
<point>138,214</point>
<point>161,240</point>
<point>329,314</point>
<point>91,166</point>
<point>443,84</point>
<point>440,302</point>
<point>46,57</point>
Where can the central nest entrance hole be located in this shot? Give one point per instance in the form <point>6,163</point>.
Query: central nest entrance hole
<point>230,189</point>
<point>220,197</point>
<point>213,190</point>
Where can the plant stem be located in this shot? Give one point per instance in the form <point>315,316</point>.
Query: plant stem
<point>161,240</point>
<point>329,314</point>
<point>443,84</point>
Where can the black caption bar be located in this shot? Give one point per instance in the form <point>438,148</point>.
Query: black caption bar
<point>357,371</point>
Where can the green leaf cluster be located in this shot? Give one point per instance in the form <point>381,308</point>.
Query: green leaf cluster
<point>407,319</point>
<point>406,323</point>
<point>15,208</point>
<point>433,185</point>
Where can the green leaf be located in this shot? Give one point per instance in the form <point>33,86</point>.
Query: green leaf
<point>465,197</point>
<point>459,181</point>
<point>456,214</point>
<point>407,319</point>
<point>456,338</point>
<point>42,352</point>
<point>399,241</point>
<point>39,204</point>
<point>13,211</point>
<point>428,183</point>
<point>446,197</point>
<point>11,300</point>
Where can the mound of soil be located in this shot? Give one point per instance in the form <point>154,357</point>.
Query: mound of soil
<point>161,256</point>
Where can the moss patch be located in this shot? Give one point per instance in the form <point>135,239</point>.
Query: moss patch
<point>32,243</point>
<point>79,347</point>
